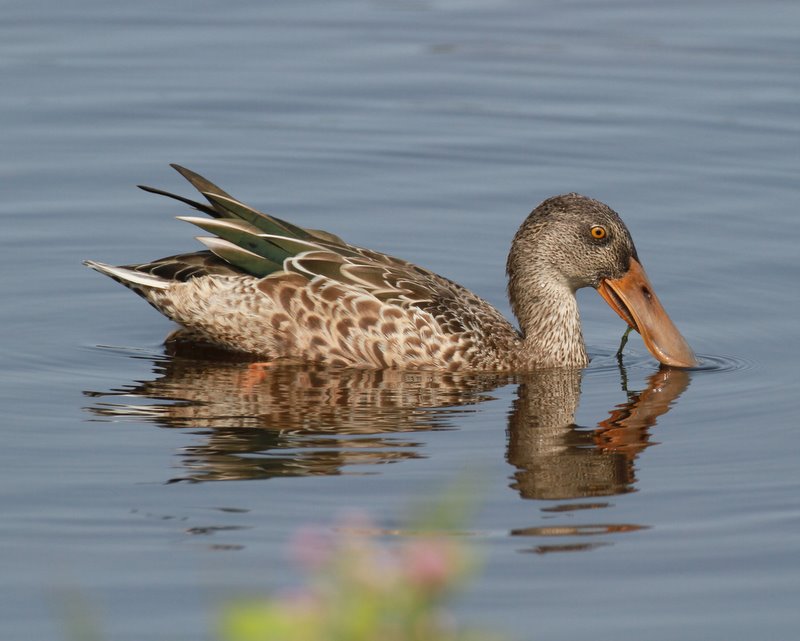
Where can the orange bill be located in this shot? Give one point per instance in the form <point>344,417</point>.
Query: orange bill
<point>633,298</point>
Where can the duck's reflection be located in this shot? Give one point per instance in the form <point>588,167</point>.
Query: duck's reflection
<point>261,422</point>
<point>557,459</point>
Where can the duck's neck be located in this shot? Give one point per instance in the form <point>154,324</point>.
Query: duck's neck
<point>549,320</point>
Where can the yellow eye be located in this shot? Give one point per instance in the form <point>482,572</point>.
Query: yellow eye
<point>598,232</point>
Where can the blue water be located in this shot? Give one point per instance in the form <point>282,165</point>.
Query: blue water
<point>427,130</point>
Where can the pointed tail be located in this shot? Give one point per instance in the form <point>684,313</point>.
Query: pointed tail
<point>140,282</point>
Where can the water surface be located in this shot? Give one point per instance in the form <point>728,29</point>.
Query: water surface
<point>617,503</point>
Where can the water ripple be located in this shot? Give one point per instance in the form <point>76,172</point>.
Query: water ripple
<point>604,360</point>
<point>721,363</point>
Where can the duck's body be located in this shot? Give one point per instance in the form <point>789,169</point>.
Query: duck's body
<point>269,288</point>
<point>342,320</point>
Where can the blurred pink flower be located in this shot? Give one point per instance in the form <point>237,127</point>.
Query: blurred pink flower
<point>430,564</point>
<point>312,548</point>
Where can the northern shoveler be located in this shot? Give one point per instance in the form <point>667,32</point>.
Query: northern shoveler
<point>268,287</point>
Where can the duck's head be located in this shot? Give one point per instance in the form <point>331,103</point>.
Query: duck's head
<point>572,241</point>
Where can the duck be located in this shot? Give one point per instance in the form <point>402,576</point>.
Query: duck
<point>271,289</point>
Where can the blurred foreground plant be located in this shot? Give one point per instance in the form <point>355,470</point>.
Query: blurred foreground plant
<point>362,590</point>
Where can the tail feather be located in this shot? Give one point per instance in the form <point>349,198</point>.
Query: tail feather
<point>131,278</point>
<point>204,186</point>
<point>248,241</point>
<point>193,203</point>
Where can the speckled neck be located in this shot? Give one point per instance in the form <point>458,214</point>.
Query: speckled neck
<point>543,300</point>
<point>550,323</point>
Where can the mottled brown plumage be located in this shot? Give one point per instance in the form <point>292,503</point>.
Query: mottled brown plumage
<point>270,288</point>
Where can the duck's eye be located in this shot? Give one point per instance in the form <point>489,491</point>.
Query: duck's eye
<point>598,232</point>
